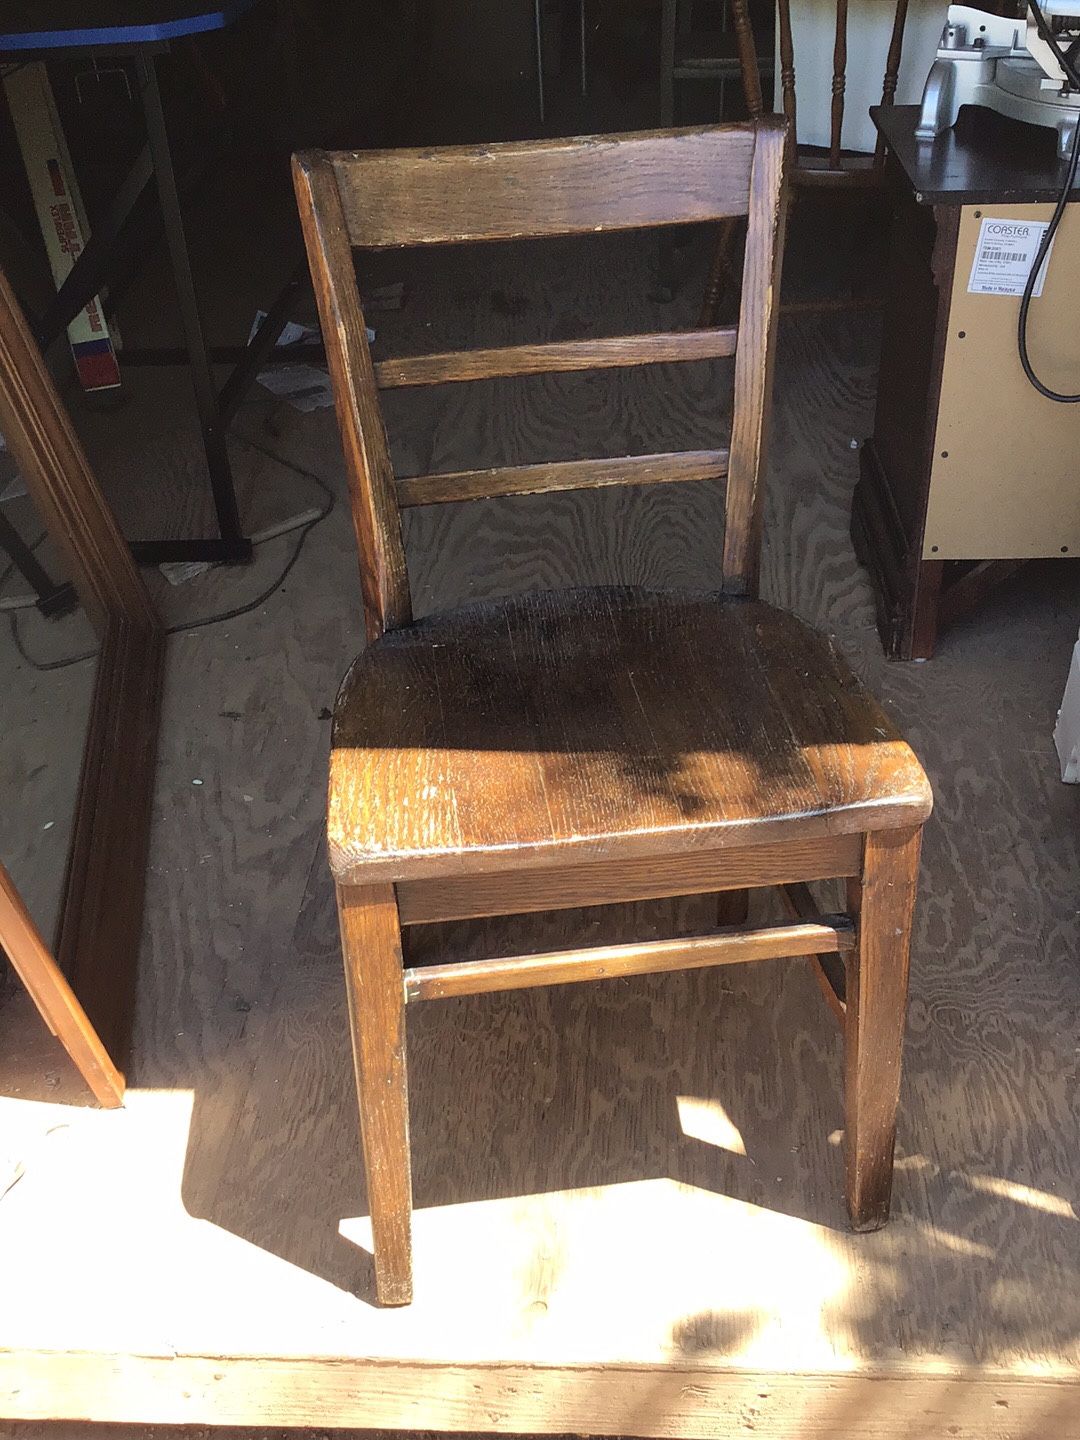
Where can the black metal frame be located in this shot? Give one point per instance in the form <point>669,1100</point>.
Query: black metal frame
<point>90,273</point>
<point>53,599</point>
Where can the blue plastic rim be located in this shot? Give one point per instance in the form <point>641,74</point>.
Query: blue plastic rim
<point>86,36</point>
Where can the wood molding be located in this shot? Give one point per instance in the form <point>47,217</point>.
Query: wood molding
<point>101,919</point>
<point>100,923</point>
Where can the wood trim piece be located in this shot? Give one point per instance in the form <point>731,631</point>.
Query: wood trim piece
<point>557,356</point>
<point>739,945</point>
<point>101,916</point>
<point>566,887</point>
<point>55,1000</point>
<point>577,186</point>
<point>539,479</point>
<point>677,1401</point>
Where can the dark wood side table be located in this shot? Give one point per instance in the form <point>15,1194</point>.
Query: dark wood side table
<point>969,471</point>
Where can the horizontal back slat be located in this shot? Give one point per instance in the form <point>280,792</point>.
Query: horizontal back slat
<point>556,356</point>
<point>562,475</point>
<point>544,188</point>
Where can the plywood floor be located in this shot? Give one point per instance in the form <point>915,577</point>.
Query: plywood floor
<point>629,1194</point>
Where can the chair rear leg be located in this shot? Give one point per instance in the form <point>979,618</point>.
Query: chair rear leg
<point>371,944</point>
<point>877,979</point>
<point>732,907</point>
<point>721,270</point>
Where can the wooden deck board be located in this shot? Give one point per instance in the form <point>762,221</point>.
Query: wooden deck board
<point>629,1194</point>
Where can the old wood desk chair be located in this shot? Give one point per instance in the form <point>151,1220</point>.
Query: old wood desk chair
<point>820,166</point>
<point>597,745</point>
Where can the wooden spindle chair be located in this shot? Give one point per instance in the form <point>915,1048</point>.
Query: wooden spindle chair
<point>820,167</point>
<point>601,745</point>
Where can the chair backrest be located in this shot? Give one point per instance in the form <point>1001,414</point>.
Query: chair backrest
<point>751,75</point>
<point>392,198</point>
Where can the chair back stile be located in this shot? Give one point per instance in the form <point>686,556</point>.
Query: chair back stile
<point>388,199</point>
<point>384,576</point>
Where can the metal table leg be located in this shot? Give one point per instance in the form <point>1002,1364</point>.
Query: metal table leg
<point>232,545</point>
<point>53,599</point>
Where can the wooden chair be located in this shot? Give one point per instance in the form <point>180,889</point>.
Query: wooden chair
<point>688,52</point>
<point>599,745</point>
<point>810,166</point>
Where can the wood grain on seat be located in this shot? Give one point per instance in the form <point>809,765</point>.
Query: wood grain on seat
<point>603,723</point>
<point>545,750</point>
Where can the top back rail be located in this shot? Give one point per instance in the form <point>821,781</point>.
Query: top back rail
<point>540,188</point>
<point>383,199</point>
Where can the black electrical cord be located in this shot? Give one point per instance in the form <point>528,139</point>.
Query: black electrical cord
<point>216,619</point>
<point>1065,59</point>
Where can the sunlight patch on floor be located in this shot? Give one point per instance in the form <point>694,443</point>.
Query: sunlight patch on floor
<point>708,1121</point>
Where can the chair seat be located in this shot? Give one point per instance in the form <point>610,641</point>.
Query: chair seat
<point>603,723</point>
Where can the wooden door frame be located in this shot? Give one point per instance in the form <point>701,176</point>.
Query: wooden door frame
<point>100,921</point>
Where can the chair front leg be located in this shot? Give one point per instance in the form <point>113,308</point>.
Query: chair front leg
<point>883,903</point>
<point>374,979</point>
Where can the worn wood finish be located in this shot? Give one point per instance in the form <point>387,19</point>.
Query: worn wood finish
<point>542,187</point>
<point>384,577</point>
<point>671,468</point>
<point>371,945</point>
<point>21,942</point>
<point>732,946</point>
<point>733,869</point>
<point>621,740</point>
<point>758,310</point>
<point>883,899</point>
<point>377,199</point>
<point>601,724</point>
<point>557,356</point>
<point>101,915</point>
